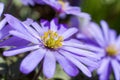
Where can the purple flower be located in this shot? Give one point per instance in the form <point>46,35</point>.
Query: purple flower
<point>50,42</point>
<point>107,40</point>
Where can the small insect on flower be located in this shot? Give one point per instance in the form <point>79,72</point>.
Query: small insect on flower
<point>52,42</point>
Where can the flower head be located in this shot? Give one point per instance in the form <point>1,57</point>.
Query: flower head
<point>107,40</point>
<point>50,42</point>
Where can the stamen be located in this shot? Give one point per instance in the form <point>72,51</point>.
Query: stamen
<point>52,40</point>
<point>111,50</point>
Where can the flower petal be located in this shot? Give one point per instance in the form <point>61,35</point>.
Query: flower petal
<point>82,46</point>
<point>104,64</point>
<point>49,64</point>
<point>69,33</point>
<point>81,52</point>
<point>53,25</point>
<point>19,50</point>
<point>104,26</point>
<point>32,60</point>
<point>67,66</point>
<point>1,8</point>
<point>116,69</point>
<point>2,23</point>
<point>76,62</point>
<point>14,41</point>
<point>24,36</point>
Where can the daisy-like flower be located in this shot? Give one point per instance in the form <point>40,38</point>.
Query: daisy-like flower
<point>51,42</point>
<point>63,8</point>
<point>107,40</point>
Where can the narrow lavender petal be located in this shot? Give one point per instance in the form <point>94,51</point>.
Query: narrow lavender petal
<point>104,26</point>
<point>67,66</point>
<point>96,33</point>
<point>53,26</point>
<point>104,64</point>
<point>14,41</point>
<point>23,36</point>
<point>116,69</point>
<point>49,64</point>
<point>2,23</point>
<point>62,29</point>
<point>37,27</point>
<point>83,68</point>
<point>118,57</point>
<point>19,50</point>
<point>1,8</point>
<point>84,15</point>
<point>118,42</point>
<point>104,70</point>
<point>32,60</point>
<point>81,52</point>
<point>28,21</point>
<point>87,61</point>
<point>82,46</point>
<point>113,36</point>
<point>72,10</point>
<point>32,31</point>
<point>69,33</point>
<point>15,23</point>
<point>5,32</point>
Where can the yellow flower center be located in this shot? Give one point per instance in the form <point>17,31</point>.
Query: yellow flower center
<point>111,50</point>
<point>52,39</point>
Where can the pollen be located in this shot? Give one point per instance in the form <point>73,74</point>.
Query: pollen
<point>111,50</point>
<point>52,40</point>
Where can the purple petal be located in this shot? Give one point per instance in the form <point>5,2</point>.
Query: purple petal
<point>28,22</point>
<point>31,31</point>
<point>49,64</point>
<point>1,8</point>
<point>14,41</point>
<point>69,33</point>
<point>96,33</point>
<point>61,29</point>
<point>104,65</point>
<point>67,66</point>
<point>82,46</point>
<point>53,26</point>
<point>116,69</point>
<point>2,23</point>
<point>76,62</point>
<point>32,60</point>
<point>24,36</point>
<point>104,26</point>
<point>5,32</point>
<point>37,27</point>
<point>19,50</point>
<point>81,52</point>
<point>113,37</point>
<point>118,42</point>
<point>72,10</point>
<point>15,23</point>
